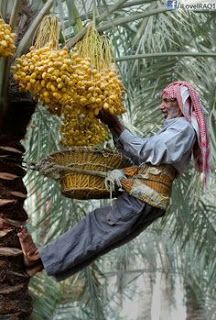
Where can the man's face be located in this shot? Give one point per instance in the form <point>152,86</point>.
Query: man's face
<point>170,108</point>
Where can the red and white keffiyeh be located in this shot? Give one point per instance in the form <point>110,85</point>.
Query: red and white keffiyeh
<point>191,107</point>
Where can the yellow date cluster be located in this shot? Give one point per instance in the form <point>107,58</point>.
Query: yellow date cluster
<point>45,73</point>
<point>73,84</point>
<point>59,78</point>
<point>81,128</point>
<point>7,40</point>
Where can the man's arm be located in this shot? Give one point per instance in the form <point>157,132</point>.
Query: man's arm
<point>121,135</point>
<point>114,124</point>
<point>166,147</point>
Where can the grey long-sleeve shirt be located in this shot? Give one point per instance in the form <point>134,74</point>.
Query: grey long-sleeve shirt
<point>171,145</point>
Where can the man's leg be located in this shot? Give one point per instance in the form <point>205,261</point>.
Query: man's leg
<point>146,217</point>
<point>99,232</point>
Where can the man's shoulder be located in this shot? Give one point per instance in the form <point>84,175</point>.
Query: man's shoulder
<point>180,123</point>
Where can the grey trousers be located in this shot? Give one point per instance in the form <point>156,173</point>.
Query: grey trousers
<point>100,231</point>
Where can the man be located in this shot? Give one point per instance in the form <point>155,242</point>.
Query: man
<point>163,156</point>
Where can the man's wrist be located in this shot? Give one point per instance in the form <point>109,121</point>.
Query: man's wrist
<point>116,128</point>
<point>112,122</point>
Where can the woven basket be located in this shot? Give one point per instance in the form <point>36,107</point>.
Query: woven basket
<point>87,186</point>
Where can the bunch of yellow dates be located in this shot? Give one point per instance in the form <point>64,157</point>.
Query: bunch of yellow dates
<point>7,40</point>
<point>72,86</point>
<point>62,77</point>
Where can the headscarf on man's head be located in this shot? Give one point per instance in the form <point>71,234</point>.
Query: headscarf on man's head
<point>191,107</point>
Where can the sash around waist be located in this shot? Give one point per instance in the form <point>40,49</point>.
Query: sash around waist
<point>151,184</point>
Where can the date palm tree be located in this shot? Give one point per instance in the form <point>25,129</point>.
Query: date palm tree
<point>153,47</point>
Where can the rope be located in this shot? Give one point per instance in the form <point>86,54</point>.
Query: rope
<point>112,179</point>
<point>50,169</point>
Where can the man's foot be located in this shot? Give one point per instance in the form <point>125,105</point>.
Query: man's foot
<point>31,271</point>
<point>31,254</point>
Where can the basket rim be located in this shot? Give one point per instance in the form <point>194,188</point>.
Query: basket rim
<point>84,149</point>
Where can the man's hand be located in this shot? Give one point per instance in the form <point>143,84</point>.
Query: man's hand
<point>107,118</point>
<point>111,121</point>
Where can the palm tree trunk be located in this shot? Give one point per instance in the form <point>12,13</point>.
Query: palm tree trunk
<point>15,301</point>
